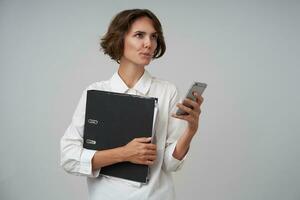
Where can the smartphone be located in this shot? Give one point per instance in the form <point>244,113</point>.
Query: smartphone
<point>196,87</point>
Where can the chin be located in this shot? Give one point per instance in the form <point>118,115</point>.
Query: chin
<point>142,64</point>
<point>146,62</point>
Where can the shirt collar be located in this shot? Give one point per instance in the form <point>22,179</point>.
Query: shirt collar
<point>142,85</point>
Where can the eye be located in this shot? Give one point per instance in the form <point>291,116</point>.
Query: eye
<point>154,36</point>
<point>139,35</point>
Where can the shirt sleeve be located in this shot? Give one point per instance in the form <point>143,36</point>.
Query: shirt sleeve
<point>175,128</point>
<point>74,158</point>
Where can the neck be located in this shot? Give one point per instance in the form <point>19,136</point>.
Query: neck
<point>130,74</point>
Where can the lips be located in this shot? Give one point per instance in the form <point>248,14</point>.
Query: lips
<point>146,54</point>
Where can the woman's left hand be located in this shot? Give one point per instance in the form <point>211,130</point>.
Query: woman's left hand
<point>193,110</point>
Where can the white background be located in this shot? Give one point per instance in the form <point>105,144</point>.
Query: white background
<point>246,51</point>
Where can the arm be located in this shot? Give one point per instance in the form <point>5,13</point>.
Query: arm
<point>179,136</point>
<point>138,151</point>
<point>107,157</point>
<point>192,118</point>
<point>74,158</point>
<point>182,145</point>
<point>79,161</point>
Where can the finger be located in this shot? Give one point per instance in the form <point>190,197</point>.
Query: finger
<point>195,105</point>
<point>144,161</point>
<point>199,98</point>
<point>149,162</point>
<point>195,112</point>
<point>183,117</point>
<point>187,118</point>
<point>191,112</point>
<point>151,157</point>
<point>145,151</point>
<point>184,108</point>
<point>150,146</point>
<point>150,152</point>
<point>143,139</point>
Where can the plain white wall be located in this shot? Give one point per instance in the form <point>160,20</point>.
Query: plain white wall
<point>246,51</point>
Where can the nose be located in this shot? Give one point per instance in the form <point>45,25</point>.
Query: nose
<point>147,42</point>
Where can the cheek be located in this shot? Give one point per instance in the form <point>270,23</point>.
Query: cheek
<point>154,45</point>
<point>127,49</point>
<point>131,47</point>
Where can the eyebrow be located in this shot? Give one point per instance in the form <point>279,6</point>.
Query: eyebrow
<point>143,32</point>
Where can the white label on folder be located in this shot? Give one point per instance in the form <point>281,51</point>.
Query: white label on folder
<point>89,141</point>
<point>93,121</point>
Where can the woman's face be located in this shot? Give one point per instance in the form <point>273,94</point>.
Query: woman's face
<point>140,42</point>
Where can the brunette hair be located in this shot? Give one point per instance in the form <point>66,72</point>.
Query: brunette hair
<point>112,43</point>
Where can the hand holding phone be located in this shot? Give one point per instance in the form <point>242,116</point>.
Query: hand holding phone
<point>196,87</point>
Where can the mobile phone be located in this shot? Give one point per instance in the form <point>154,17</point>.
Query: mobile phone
<point>196,87</point>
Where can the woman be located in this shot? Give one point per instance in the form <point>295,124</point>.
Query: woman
<point>133,39</point>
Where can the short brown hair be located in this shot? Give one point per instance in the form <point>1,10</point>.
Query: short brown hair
<point>112,43</point>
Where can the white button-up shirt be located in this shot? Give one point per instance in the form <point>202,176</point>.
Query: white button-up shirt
<point>77,160</point>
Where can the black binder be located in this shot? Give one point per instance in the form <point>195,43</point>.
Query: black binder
<point>114,119</point>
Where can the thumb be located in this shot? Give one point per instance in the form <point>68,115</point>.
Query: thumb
<point>143,139</point>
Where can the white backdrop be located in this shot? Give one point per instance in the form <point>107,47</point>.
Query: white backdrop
<point>246,51</point>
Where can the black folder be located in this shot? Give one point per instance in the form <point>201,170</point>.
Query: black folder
<point>114,119</point>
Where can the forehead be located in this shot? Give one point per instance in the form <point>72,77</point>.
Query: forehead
<point>144,24</point>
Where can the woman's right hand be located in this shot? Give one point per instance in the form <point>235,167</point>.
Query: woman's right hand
<point>140,151</point>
